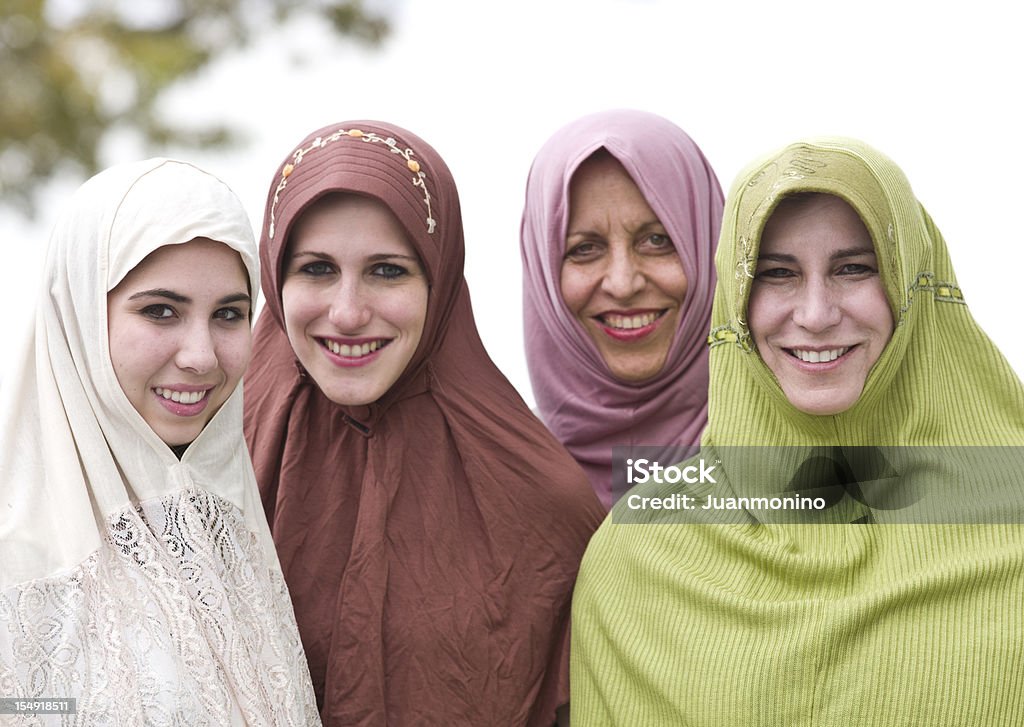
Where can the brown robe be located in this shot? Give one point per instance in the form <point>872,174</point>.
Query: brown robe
<point>430,540</point>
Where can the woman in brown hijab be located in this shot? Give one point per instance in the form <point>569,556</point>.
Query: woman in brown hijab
<point>428,525</point>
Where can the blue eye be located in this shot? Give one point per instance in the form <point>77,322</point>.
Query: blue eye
<point>388,271</point>
<point>316,269</point>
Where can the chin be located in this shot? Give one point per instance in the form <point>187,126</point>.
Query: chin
<point>344,397</point>
<point>635,372</point>
<point>177,439</point>
<point>823,405</point>
<point>345,400</point>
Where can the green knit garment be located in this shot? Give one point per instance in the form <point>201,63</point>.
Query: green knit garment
<point>780,625</point>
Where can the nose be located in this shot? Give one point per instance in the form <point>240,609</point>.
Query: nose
<point>350,308</point>
<point>623,277</point>
<point>817,307</point>
<point>198,350</point>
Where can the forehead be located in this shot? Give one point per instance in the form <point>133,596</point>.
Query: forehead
<point>602,185</point>
<point>187,263</point>
<point>600,169</point>
<point>814,222</point>
<point>349,223</point>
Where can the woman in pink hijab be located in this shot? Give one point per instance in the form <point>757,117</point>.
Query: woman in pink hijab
<point>618,236</point>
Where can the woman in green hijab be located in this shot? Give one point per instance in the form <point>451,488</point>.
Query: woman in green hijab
<point>847,377</point>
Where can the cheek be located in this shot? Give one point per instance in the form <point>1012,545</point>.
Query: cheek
<point>768,314</point>
<point>300,307</point>
<point>666,273</point>
<point>757,314</point>
<point>408,311</point>
<point>135,354</point>
<point>878,315</point>
<point>576,284</point>
<point>117,341</point>
<point>234,351</point>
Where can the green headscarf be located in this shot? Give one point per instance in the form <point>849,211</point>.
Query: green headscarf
<point>940,381</point>
<point>791,624</point>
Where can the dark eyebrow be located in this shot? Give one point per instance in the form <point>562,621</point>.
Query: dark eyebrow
<point>837,255</point>
<point>652,224</point>
<point>161,293</point>
<point>580,233</point>
<point>179,298</point>
<point>312,253</point>
<point>777,257</point>
<point>852,252</point>
<point>235,298</point>
<point>391,256</point>
<point>648,226</point>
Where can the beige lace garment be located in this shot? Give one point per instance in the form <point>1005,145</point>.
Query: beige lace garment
<point>144,587</point>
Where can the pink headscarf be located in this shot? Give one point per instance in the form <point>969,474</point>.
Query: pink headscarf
<point>587,408</point>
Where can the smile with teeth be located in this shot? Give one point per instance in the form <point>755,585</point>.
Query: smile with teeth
<point>182,397</point>
<point>356,351</point>
<point>614,320</point>
<point>818,356</point>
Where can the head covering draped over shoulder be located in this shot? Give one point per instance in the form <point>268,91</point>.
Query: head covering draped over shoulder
<point>142,585</point>
<point>586,407</point>
<point>896,622</point>
<point>430,539</point>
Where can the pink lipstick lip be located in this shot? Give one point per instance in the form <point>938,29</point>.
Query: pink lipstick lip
<point>184,410</point>
<point>353,341</point>
<point>822,366</point>
<point>630,312</point>
<point>352,361</point>
<point>188,388</point>
<point>628,335</point>
<point>802,347</point>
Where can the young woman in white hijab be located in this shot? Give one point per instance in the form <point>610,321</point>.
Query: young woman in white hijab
<point>137,573</point>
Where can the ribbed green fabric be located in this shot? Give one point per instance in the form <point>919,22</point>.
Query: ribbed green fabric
<point>820,625</point>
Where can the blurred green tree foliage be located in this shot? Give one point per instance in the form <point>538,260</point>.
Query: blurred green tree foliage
<point>71,70</point>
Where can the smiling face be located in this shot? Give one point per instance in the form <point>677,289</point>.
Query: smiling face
<point>354,297</point>
<point>621,275</point>
<point>818,312</point>
<point>178,326</point>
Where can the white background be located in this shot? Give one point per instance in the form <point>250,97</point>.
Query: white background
<point>486,83</point>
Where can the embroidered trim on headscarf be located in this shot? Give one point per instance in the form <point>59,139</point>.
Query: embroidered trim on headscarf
<point>419,178</point>
<point>730,334</point>
<point>942,291</point>
<point>746,264</point>
<point>945,292</point>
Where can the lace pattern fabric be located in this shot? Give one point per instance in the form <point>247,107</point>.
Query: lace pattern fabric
<point>176,620</point>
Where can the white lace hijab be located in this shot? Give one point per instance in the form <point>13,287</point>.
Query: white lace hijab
<point>145,587</point>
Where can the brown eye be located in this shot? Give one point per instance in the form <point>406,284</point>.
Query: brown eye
<point>583,251</point>
<point>158,312</point>
<point>856,269</point>
<point>229,314</point>
<point>774,274</point>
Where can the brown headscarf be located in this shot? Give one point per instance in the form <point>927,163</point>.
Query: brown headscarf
<point>431,539</point>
